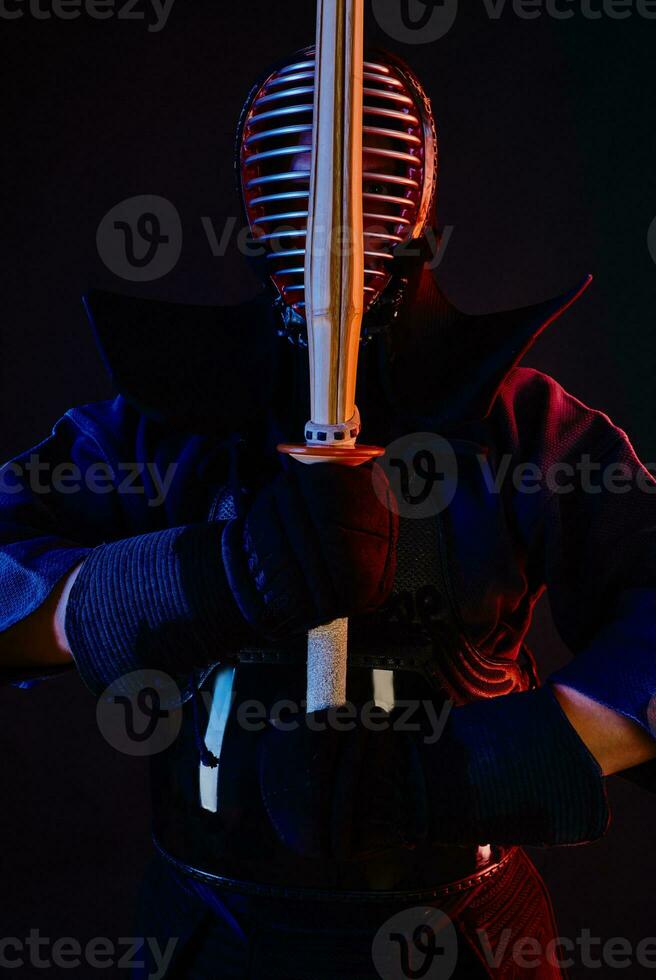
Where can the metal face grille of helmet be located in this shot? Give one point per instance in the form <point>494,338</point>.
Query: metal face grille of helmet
<point>399,164</point>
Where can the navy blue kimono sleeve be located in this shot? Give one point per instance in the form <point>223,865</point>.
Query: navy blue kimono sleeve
<point>593,535</point>
<point>602,584</point>
<point>86,484</point>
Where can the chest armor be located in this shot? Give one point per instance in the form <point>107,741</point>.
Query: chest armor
<point>208,815</point>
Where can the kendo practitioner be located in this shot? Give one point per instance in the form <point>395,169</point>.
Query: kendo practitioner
<point>283,849</point>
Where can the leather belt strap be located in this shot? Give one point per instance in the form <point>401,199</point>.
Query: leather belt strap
<point>501,857</point>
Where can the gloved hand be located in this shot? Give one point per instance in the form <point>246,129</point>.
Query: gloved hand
<point>337,793</point>
<point>317,543</point>
<point>508,770</point>
<point>157,601</point>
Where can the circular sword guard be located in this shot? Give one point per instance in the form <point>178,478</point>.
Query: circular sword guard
<point>332,444</point>
<point>345,455</point>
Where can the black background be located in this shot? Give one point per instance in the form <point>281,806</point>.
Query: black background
<point>548,171</point>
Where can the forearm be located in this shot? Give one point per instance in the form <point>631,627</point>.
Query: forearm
<point>40,639</point>
<point>616,742</point>
<point>528,767</point>
<point>158,601</point>
<point>515,770</point>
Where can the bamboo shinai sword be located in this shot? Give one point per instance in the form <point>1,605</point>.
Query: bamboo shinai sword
<point>334,290</point>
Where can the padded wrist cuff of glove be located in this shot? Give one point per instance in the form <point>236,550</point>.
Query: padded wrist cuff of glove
<point>279,608</point>
<point>513,770</point>
<point>157,601</point>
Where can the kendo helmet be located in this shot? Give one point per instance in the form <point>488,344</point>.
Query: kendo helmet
<point>273,153</point>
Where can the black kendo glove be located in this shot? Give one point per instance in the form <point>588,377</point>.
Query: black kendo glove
<point>316,543</point>
<point>508,770</point>
<point>156,601</point>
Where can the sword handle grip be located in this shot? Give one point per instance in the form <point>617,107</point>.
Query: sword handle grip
<point>326,665</point>
<point>328,645</point>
